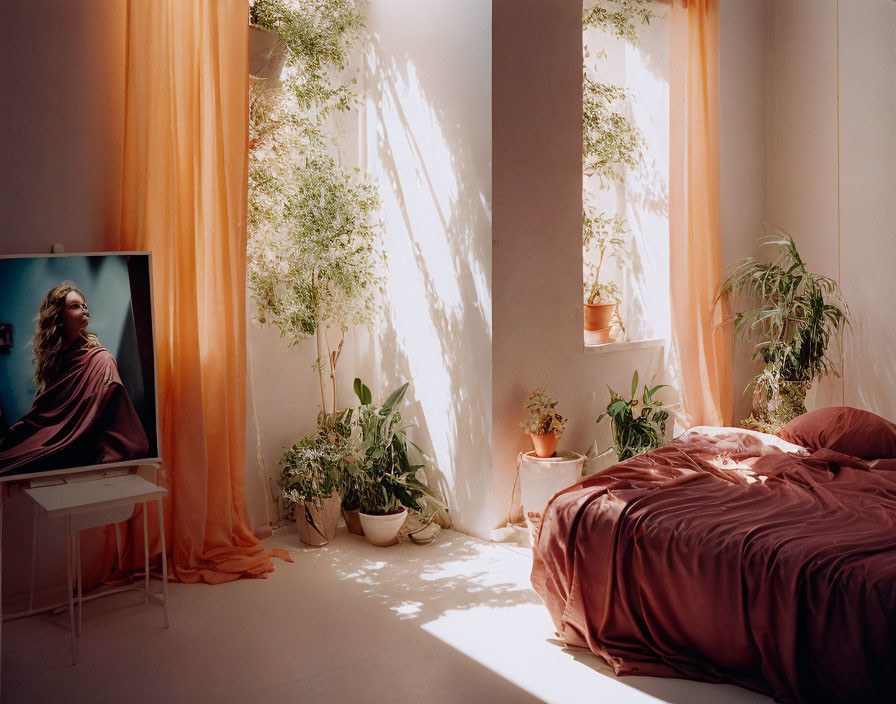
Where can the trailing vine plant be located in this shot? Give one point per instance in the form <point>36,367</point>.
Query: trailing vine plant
<point>610,142</point>
<point>315,259</point>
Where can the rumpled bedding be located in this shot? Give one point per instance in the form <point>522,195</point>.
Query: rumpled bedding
<point>731,556</point>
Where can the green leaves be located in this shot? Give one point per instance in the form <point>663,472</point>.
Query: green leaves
<point>385,477</point>
<point>315,256</point>
<point>610,141</point>
<point>791,312</point>
<point>619,17</point>
<point>396,396</point>
<point>543,417</point>
<point>362,392</point>
<point>606,235</point>
<point>634,435</point>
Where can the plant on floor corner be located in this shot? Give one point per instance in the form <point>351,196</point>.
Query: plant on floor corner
<point>543,424</point>
<point>315,264</point>
<point>635,434</point>
<point>388,485</point>
<point>794,315</point>
<point>310,472</point>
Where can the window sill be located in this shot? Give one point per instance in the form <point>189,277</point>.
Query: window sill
<point>624,346</point>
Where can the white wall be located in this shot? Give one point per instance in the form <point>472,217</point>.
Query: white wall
<point>425,133</point>
<point>62,87</point>
<point>796,152</point>
<point>868,199</point>
<point>743,45</point>
<point>537,310</point>
<point>802,138</point>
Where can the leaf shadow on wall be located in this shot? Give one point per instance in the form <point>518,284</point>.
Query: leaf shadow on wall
<point>437,328</point>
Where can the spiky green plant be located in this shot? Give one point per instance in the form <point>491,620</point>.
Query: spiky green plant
<point>382,474</point>
<point>793,315</point>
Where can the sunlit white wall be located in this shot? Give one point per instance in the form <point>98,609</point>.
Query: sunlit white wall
<point>424,131</point>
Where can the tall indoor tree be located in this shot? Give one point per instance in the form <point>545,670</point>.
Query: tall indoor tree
<point>315,260</point>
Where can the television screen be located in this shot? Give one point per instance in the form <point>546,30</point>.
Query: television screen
<point>77,362</point>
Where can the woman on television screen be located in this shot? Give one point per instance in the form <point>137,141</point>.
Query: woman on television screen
<point>82,414</point>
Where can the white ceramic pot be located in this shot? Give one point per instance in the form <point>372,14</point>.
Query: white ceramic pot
<point>541,478</point>
<point>383,530</point>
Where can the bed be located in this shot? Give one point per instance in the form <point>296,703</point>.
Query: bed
<point>733,556</point>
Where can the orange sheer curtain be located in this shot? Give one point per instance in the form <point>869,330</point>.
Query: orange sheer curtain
<point>184,199</point>
<point>701,349</point>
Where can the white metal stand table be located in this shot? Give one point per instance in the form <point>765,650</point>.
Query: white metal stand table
<point>84,505</point>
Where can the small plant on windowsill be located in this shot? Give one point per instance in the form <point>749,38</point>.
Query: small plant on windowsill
<point>544,425</point>
<point>636,434</point>
<point>612,143</point>
<point>606,236</point>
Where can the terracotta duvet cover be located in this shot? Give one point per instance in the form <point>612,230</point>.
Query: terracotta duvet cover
<point>731,556</point>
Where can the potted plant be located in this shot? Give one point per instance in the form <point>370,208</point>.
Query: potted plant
<point>604,234</point>
<point>635,434</point>
<point>793,314</point>
<point>337,428</point>
<point>543,425</point>
<point>386,481</point>
<point>309,475</point>
<point>611,143</point>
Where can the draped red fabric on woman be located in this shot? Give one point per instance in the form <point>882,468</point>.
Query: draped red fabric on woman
<point>84,417</point>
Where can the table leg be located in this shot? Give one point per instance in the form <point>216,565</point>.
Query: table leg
<point>33,556</point>
<point>145,554</point>
<point>118,546</point>
<point>77,539</point>
<point>164,561</point>
<point>2,492</point>
<point>68,574</point>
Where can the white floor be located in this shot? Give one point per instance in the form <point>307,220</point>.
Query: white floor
<point>452,622</point>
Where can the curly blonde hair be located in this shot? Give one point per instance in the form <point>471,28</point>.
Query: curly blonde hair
<point>49,339</point>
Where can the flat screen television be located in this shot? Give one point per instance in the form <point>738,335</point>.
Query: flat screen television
<point>77,363</point>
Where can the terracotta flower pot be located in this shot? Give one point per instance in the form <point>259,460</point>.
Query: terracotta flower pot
<point>383,530</point>
<point>544,444</point>
<point>353,521</point>
<point>598,315</point>
<point>317,526</point>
